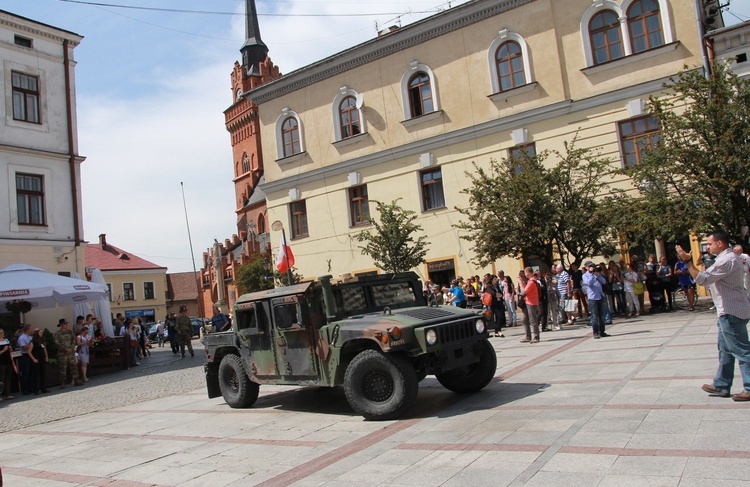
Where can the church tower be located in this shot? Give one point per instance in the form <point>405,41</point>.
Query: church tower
<point>221,262</point>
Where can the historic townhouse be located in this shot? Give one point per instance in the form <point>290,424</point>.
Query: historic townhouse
<point>41,219</point>
<point>406,114</point>
<point>137,287</point>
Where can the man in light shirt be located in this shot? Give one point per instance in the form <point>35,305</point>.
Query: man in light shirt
<point>725,280</point>
<point>745,259</point>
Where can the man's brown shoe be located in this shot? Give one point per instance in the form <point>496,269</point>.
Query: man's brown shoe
<point>712,391</point>
<point>525,340</point>
<point>77,383</point>
<point>741,396</point>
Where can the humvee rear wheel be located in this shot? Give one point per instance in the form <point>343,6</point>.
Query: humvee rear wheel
<point>473,377</point>
<point>236,388</point>
<point>380,387</point>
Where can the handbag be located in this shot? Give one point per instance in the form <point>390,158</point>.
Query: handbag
<point>571,305</point>
<point>638,288</point>
<point>521,302</point>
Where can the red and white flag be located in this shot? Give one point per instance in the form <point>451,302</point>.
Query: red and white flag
<point>285,259</point>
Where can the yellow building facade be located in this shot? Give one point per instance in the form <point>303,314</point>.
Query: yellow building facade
<point>408,114</point>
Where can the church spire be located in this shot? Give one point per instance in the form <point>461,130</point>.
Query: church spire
<point>254,51</point>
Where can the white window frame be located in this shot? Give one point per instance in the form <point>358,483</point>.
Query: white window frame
<point>415,67</point>
<point>286,113</point>
<point>153,288</point>
<point>135,296</point>
<point>49,182</point>
<point>41,74</point>
<point>344,92</point>
<point>503,37</point>
<point>621,11</point>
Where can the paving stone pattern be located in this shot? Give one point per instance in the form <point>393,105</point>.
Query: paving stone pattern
<point>163,374</point>
<point>570,411</point>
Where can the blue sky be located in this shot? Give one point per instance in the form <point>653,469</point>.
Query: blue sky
<point>152,88</point>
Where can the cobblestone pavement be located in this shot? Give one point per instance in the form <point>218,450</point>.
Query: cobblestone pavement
<point>163,374</point>
<point>626,410</point>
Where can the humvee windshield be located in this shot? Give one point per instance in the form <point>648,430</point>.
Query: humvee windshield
<point>360,299</point>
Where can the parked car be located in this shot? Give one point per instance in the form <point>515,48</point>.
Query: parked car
<point>198,323</point>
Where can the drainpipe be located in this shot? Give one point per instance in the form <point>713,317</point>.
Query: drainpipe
<point>71,148</point>
<point>699,23</point>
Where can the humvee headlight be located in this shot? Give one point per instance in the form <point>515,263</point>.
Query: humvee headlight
<point>431,337</point>
<point>479,325</point>
<point>395,333</point>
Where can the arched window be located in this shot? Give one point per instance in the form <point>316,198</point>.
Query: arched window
<point>349,117</point>
<point>509,61</point>
<point>261,225</point>
<point>606,38</point>
<point>290,137</point>
<point>420,95</point>
<point>644,23</point>
<point>245,163</point>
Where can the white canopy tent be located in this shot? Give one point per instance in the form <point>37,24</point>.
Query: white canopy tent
<point>23,282</point>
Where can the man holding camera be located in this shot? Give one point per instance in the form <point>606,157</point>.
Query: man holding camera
<point>724,279</point>
<point>593,283</point>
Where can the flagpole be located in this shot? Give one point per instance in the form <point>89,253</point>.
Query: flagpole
<point>286,257</point>
<point>192,256</point>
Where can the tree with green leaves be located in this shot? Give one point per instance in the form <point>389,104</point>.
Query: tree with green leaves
<point>392,244</point>
<point>523,207</point>
<point>254,276</point>
<point>698,176</point>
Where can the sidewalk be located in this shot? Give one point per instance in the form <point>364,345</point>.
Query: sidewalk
<point>620,411</point>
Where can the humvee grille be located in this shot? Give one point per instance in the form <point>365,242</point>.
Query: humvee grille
<point>426,313</point>
<point>455,332</point>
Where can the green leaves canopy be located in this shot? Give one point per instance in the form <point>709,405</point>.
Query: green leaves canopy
<point>392,244</point>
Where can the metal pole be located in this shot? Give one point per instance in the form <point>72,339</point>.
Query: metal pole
<point>289,277</point>
<point>699,13</point>
<point>192,256</point>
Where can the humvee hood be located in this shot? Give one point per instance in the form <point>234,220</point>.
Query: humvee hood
<point>418,316</point>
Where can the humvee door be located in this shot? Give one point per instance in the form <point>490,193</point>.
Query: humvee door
<point>294,339</point>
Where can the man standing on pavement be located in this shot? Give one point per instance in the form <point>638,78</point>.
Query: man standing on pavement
<point>185,332</point>
<point>745,259</point>
<point>724,279</point>
<point>565,288</point>
<point>171,323</point>
<point>65,340</point>
<point>593,283</point>
<point>531,295</point>
<point>119,324</point>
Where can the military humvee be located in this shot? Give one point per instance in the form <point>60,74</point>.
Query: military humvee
<point>374,336</point>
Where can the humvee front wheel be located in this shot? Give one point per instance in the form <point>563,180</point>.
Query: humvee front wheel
<point>380,387</point>
<point>236,388</point>
<point>473,377</point>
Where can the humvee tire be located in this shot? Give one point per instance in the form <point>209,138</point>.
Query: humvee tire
<point>473,377</point>
<point>236,388</point>
<point>380,387</point>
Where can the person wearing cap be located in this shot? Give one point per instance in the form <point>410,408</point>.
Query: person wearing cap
<point>65,340</point>
<point>458,297</point>
<point>593,283</point>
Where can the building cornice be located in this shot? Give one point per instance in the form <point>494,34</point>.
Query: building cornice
<point>485,129</point>
<point>33,27</point>
<point>38,153</point>
<point>403,38</point>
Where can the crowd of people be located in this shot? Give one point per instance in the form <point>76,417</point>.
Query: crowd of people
<point>546,301</point>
